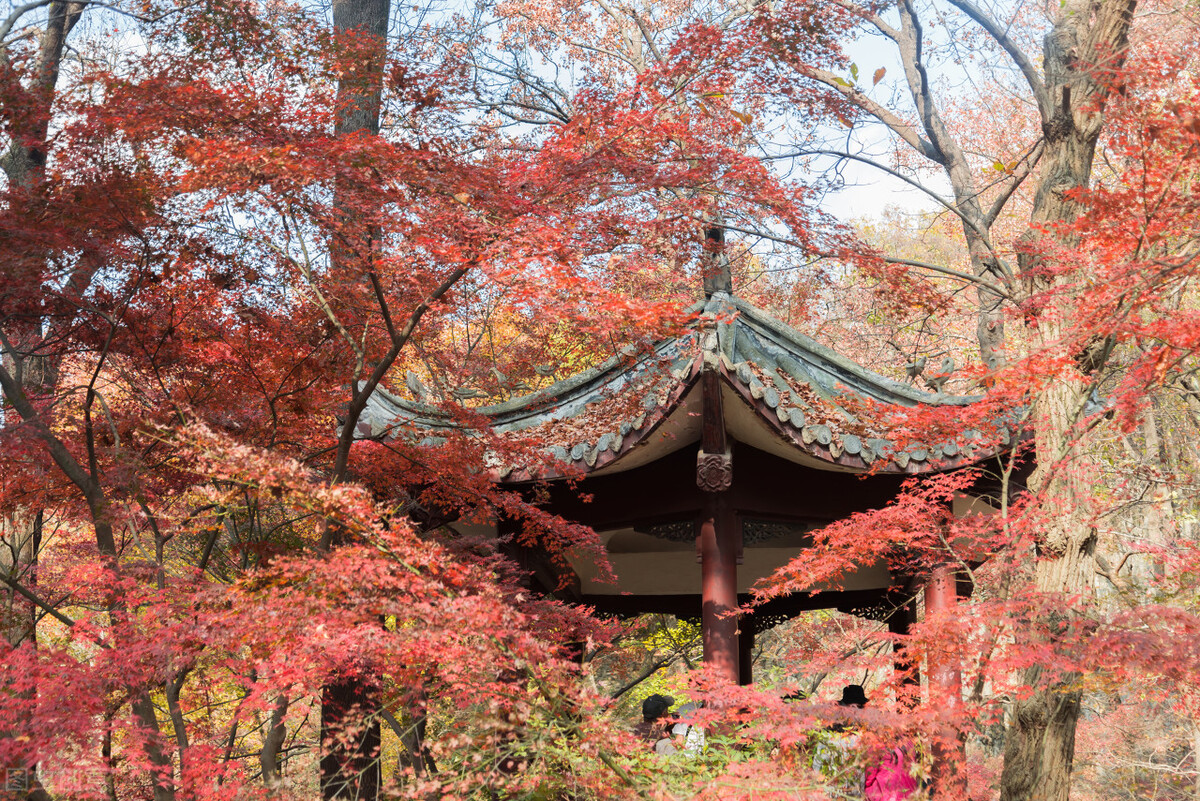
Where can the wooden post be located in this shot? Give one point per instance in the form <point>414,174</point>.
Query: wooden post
<point>719,538</point>
<point>718,580</point>
<point>945,691</point>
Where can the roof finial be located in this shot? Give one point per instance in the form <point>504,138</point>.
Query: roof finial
<point>718,272</point>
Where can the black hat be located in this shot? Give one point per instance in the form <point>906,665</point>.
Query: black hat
<point>853,695</point>
<point>655,706</point>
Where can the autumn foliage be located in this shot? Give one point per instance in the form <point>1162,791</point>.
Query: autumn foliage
<point>206,270</point>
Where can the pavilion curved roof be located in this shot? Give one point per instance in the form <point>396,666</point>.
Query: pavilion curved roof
<point>791,394</point>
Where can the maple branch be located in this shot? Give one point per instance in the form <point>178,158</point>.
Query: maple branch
<point>602,51</point>
<point>981,666</point>
<point>560,105</point>
<point>384,310</point>
<point>1015,53</point>
<point>412,740</point>
<point>1112,574</point>
<point>171,689</point>
<point>647,37</point>
<point>649,671</point>
<point>75,472</point>
<point>305,267</point>
<point>362,392</point>
<point>90,396</point>
<point>28,595</point>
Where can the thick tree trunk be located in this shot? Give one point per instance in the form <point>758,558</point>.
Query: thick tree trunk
<point>1040,744</point>
<point>37,372</point>
<point>1088,39</point>
<point>350,734</point>
<point>273,739</point>
<point>161,767</point>
<point>1040,747</point>
<point>20,539</point>
<point>350,741</point>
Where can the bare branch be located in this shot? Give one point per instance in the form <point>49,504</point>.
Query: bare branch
<point>19,12</point>
<point>1023,171</point>
<point>898,126</point>
<point>1015,53</point>
<point>949,205</point>
<point>967,277</point>
<point>871,17</point>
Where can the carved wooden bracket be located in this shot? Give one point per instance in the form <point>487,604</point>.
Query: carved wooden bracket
<point>714,471</point>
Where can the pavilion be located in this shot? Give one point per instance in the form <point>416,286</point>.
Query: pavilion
<point>705,465</point>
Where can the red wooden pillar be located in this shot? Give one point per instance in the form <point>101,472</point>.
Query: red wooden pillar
<point>718,580</point>
<point>945,692</point>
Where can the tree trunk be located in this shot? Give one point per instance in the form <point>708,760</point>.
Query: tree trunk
<point>1087,38</point>
<point>161,768</point>
<point>350,741</point>
<point>273,741</point>
<point>37,372</point>
<point>20,540</point>
<point>1040,744</point>
<point>350,734</point>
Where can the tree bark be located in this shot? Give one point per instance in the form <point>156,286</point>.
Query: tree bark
<point>36,371</point>
<point>350,735</point>
<point>1087,40</point>
<point>162,769</point>
<point>20,540</point>
<point>350,741</point>
<point>272,742</point>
